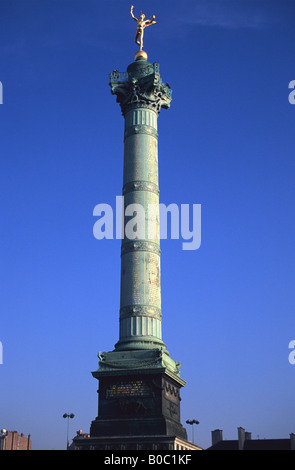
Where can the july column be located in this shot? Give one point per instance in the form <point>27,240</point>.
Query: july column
<point>141,94</point>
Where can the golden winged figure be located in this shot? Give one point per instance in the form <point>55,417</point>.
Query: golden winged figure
<point>141,24</point>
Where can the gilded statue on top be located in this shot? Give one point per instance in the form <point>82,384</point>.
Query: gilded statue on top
<point>141,25</point>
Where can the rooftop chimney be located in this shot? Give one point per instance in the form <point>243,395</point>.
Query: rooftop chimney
<point>292,441</point>
<point>216,436</point>
<point>241,438</point>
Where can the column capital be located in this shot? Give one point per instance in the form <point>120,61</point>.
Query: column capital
<point>140,87</point>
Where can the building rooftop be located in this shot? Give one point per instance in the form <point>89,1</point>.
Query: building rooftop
<point>245,442</point>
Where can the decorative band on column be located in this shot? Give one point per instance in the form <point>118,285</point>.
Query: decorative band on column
<point>140,245</point>
<point>141,117</point>
<point>140,186</point>
<point>140,129</point>
<point>131,327</point>
<point>140,310</point>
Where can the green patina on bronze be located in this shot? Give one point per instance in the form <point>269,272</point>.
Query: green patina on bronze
<point>141,94</point>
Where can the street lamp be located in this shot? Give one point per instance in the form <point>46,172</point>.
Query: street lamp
<point>66,415</point>
<point>192,422</point>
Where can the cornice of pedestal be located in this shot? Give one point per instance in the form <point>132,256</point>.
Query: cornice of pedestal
<point>140,87</point>
<point>138,361</point>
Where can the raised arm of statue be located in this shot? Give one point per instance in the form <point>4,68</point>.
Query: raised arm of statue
<point>131,12</point>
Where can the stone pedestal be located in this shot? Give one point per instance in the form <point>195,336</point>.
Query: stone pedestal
<point>139,394</point>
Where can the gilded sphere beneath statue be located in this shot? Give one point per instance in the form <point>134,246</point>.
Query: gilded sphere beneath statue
<point>141,55</point>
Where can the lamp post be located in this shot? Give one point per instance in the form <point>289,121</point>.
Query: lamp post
<point>192,422</point>
<point>66,415</point>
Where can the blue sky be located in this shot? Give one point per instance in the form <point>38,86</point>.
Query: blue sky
<point>227,143</point>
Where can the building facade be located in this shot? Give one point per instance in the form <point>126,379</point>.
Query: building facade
<point>11,440</point>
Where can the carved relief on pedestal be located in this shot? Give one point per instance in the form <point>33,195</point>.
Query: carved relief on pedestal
<point>172,399</point>
<point>171,392</point>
